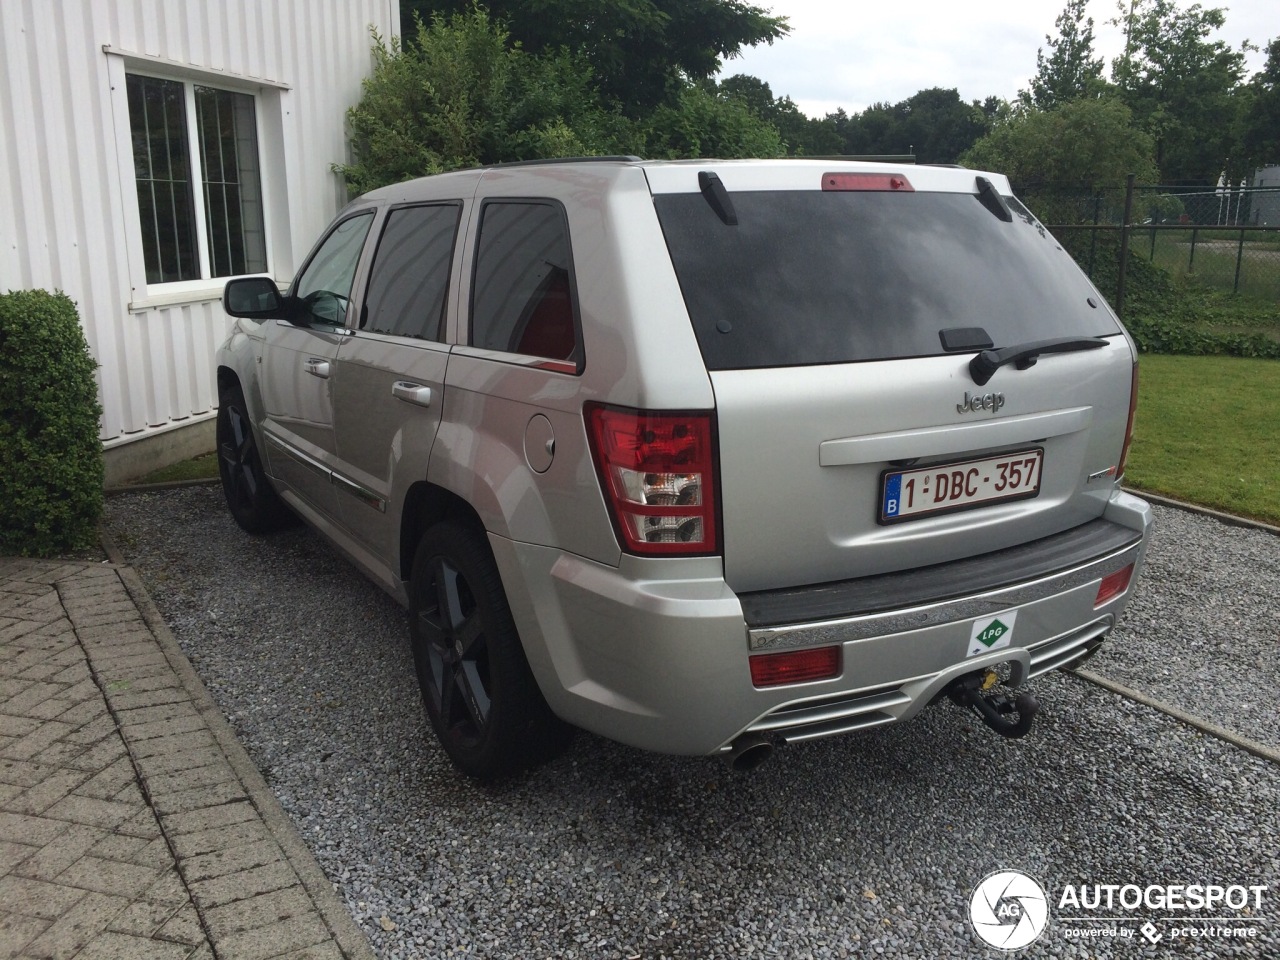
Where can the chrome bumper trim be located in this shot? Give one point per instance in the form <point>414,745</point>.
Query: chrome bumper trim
<point>875,706</point>
<point>790,636</point>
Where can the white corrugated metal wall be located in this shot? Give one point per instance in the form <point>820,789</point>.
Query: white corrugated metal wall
<point>68,205</point>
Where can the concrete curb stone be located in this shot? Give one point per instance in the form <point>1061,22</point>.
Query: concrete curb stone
<point>349,938</point>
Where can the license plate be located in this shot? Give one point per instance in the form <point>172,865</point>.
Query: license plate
<point>946,487</point>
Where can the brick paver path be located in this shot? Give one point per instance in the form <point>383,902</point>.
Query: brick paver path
<point>128,829</point>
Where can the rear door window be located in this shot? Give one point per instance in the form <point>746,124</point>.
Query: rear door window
<point>812,277</point>
<point>409,282</point>
<point>523,300</point>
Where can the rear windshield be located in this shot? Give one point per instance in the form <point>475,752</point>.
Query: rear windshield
<point>811,277</point>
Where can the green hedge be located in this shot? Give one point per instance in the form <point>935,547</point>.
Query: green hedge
<point>1168,314</point>
<point>1162,335</point>
<point>50,455</point>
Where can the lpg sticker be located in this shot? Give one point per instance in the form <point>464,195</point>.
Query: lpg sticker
<point>994,633</point>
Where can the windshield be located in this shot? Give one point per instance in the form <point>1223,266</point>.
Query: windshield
<point>812,277</point>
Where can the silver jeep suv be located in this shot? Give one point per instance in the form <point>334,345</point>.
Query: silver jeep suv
<point>701,456</point>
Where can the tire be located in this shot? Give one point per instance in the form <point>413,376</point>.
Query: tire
<point>477,688</point>
<point>257,508</point>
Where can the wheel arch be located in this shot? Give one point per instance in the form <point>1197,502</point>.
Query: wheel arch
<point>425,505</point>
<point>227,377</point>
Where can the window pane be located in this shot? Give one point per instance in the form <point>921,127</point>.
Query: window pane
<point>811,277</point>
<point>231,181</point>
<point>410,276</point>
<point>325,284</point>
<point>522,302</point>
<point>162,169</point>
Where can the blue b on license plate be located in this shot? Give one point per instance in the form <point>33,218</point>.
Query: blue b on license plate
<point>947,487</point>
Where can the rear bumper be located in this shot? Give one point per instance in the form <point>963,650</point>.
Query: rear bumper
<point>943,593</point>
<point>656,653</point>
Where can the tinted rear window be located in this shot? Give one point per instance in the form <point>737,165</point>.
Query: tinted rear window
<point>809,277</point>
<point>410,277</point>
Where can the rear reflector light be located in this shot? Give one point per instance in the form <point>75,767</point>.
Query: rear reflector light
<point>658,474</point>
<point>866,181</point>
<point>1113,585</point>
<point>799,666</point>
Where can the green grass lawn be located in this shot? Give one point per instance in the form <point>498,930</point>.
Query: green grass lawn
<point>1214,262</point>
<point>1208,432</point>
<point>204,467</point>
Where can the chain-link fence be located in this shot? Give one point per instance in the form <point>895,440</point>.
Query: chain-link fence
<point>1227,239</point>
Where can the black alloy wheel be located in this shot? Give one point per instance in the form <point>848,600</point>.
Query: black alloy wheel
<point>253,503</point>
<point>458,654</point>
<point>477,688</point>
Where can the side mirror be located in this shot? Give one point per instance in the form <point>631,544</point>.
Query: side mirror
<point>255,298</point>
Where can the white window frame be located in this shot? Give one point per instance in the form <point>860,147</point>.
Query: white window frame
<point>121,64</point>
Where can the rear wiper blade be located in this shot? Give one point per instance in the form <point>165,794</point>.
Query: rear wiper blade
<point>984,365</point>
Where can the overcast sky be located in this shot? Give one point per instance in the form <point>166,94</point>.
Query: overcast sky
<point>852,53</point>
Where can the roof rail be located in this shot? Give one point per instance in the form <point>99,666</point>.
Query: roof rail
<point>866,157</point>
<point>621,158</point>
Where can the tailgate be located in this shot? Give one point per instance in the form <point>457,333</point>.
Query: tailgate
<point>804,456</point>
<point>837,313</point>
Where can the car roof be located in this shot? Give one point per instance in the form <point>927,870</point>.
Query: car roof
<point>681,176</point>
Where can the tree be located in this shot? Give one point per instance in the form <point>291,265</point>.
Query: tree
<point>461,95</point>
<point>641,51</point>
<point>1181,86</point>
<point>934,124</point>
<point>1070,71</point>
<point>1262,119</point>
<point>706,123</point>
<point>1090,143</point>
<point>802,136</point>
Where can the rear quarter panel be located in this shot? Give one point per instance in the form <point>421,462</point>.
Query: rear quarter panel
<point>638,351</point>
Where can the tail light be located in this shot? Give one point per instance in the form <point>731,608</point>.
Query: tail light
<point>1128,430</point>
<point>1113,585</point>
<point>796,666</point>
<point>866,181</point>
<point>658,471</point>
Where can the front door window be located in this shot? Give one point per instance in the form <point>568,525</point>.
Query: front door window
<point>324,289</point>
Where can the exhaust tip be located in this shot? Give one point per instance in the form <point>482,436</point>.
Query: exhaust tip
<point>748,752</point>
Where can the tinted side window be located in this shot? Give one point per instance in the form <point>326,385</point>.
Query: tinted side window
<point>325,285</point>
<point>522,300</point>
<point>812,277</point>
<point>410,276</point>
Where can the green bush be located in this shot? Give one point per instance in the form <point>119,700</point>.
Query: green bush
<point>463,96</point>
<point>1155,335</point>
<point>50,455</point>
<point>704,123</point>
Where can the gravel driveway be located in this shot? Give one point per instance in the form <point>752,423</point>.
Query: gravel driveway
<point>863,846</point>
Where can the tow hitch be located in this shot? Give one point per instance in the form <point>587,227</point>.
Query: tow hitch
<point>1008,715</point>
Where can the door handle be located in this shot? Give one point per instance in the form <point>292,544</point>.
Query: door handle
<point>316,367</point>
<point>411,393</point>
